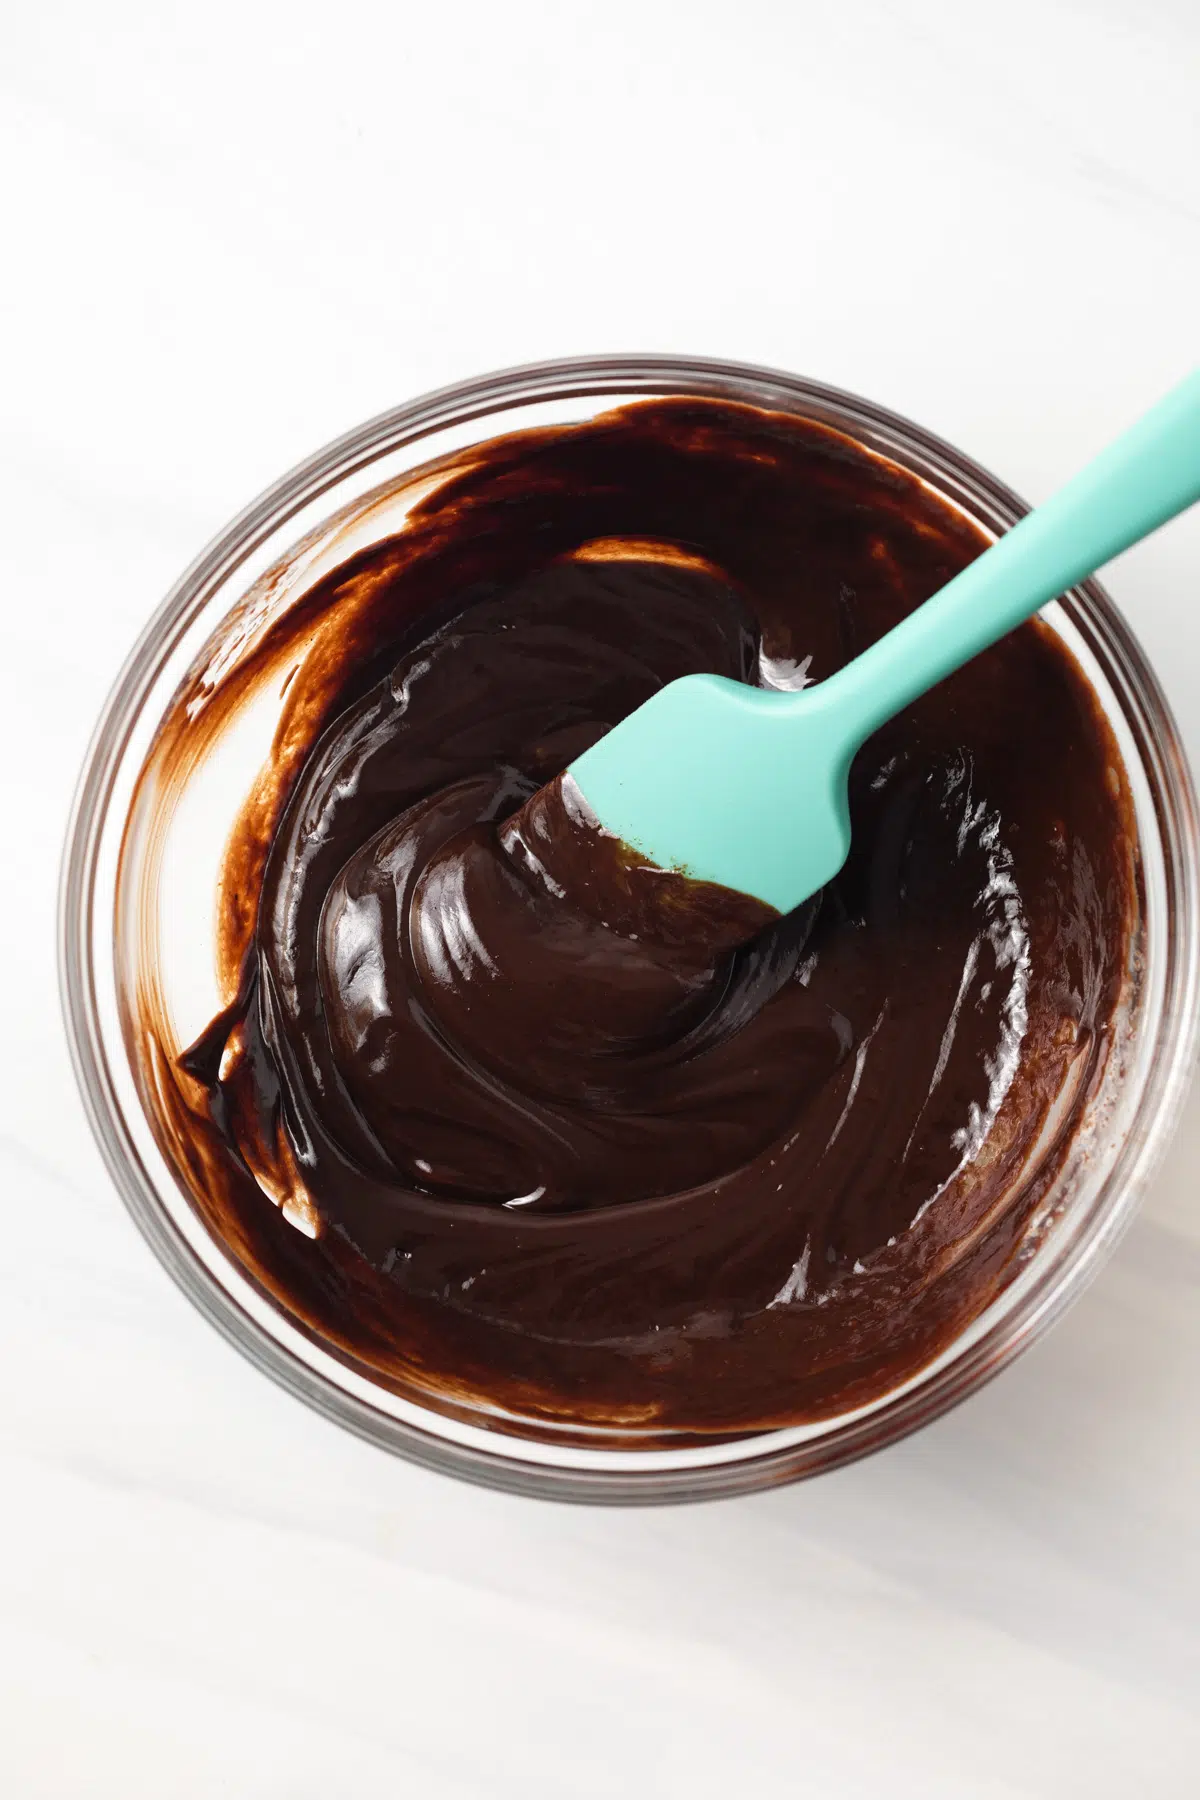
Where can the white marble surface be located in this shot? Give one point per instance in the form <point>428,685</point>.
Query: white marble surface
<point>233,231</point>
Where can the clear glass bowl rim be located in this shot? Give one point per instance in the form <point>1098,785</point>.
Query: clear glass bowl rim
<point>764,1462</point>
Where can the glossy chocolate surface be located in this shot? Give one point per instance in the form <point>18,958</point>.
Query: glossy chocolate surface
<point>498,1115</point>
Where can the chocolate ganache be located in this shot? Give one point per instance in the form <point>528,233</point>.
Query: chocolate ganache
<point>523,1126</point>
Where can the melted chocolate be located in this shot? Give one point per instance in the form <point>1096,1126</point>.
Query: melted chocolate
<point>520,1124</point>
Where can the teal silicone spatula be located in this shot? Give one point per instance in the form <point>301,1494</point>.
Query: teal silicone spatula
<point>748,788</point>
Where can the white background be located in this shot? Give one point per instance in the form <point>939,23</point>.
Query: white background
<point>231,232</point>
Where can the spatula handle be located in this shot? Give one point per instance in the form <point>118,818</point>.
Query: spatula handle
<point>1149,474</point>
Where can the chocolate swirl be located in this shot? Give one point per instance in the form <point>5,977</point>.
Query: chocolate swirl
<point>519,1124</point>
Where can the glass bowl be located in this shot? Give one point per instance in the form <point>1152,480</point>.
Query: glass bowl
<point>118,905</point>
